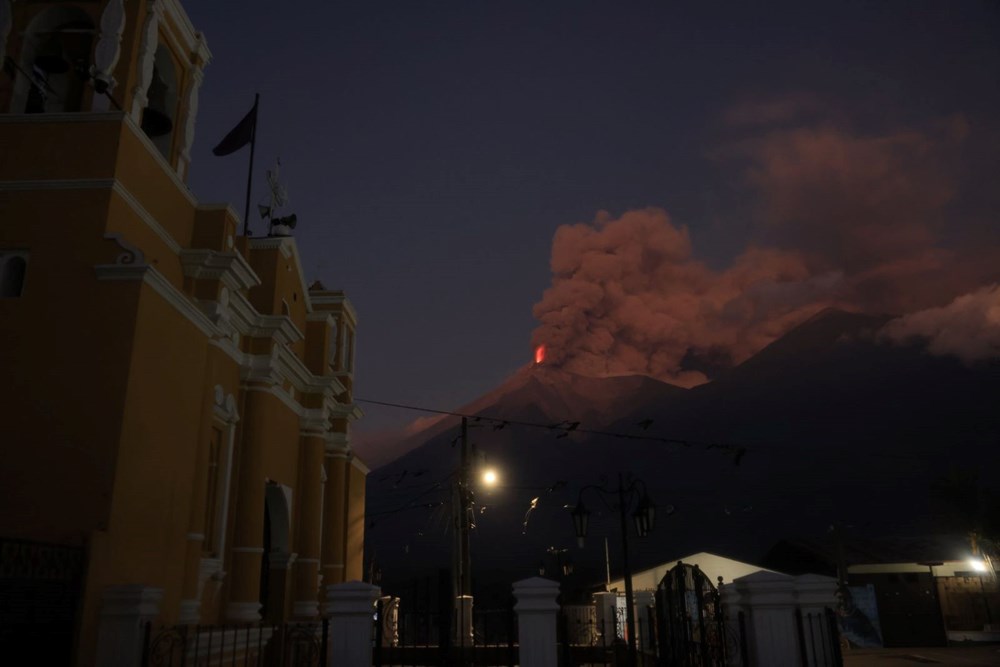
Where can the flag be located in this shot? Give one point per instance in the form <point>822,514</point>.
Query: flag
<point>239,136</point>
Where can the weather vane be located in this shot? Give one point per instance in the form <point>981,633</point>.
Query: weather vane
<point>278,226</point>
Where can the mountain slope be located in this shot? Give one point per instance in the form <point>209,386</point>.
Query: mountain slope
<point>837,427</point>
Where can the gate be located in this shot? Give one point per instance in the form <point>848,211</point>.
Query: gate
<point>257,645</point>
<point>689,622</point>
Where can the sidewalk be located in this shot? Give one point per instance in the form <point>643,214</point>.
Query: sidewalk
<point>957,656</point>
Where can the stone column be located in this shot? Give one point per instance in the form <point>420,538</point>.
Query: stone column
<point>536,621</point>
<point>773,636</point>
<point>814,594</point>
<point>125,611</point>
<point>604,608</point>
<point>308,530</point>
<point>644,601</point>
<point>248,533</point>
<point>350,607</point>
<point>335,515</point>
<point>732,605</point>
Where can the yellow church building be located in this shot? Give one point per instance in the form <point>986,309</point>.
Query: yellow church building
<point>176,404</point>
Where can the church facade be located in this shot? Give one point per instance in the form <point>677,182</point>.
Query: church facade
<point>175,424</point>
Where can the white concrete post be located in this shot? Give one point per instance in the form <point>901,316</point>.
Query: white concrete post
<point>536,621</point>
<point>814,594</point>
<point>643,633</point>
<point>125,611</point>
<point>732,605</point>
<point>350,606</point>
<point>604,612</point>
<point>771,626</point>
<point>463,621</point>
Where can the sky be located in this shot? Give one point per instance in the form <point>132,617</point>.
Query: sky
<point>655,187</point>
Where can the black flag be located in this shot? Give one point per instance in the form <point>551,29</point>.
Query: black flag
<point>239,136</point>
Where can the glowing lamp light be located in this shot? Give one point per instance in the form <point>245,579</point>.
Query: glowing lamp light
<point>977,565</point>
<point>540,354</point>
<point>490,477</point>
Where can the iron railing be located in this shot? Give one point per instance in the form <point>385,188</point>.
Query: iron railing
<point>246,645</point>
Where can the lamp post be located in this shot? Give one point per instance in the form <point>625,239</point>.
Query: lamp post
<point>642,516</point>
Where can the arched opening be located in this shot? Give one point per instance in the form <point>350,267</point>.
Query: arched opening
<point>12,280</point>
<point>274,563</point>
<point>161,105</point>
<point>54,62</point>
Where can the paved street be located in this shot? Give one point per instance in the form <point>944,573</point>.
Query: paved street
<point>978,656</point>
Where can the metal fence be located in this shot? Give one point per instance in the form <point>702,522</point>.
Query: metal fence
<point>429,637</point>
<point>584,640</point>
<point>257,645</point>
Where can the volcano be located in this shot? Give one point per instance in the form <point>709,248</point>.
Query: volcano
<point>831,425</point>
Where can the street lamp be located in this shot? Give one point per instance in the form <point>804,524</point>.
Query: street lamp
<point>642,516</point>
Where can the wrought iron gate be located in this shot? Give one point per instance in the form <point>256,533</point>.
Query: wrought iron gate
<point>689,620</point>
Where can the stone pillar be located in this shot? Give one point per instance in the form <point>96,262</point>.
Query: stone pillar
<point>125,611</point>
<point>814,594</point>
<point>536,621</point>
<point>335,515</point>
<point>308,530</point>
<point>773,636</point>
<point>604,608</point>
<point>463,621</point>
<point>732,605</point>
<point>644,601</point>
<point>248,532</point>
<point>350,607</point>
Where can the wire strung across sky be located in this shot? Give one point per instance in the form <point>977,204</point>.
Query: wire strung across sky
<point>568,427</point>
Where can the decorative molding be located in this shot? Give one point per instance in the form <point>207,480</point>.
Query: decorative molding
<point>108,48</point>
<point>357,463</point>
<point>146,57</point>
<point>150,276</point>
<point>191,112</point>
<point>185,28</point>
<point>248,550</point>
<point>230,267</point>
<point>195,537</point>
<point>132,254</point>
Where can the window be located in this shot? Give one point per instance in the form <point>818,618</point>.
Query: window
<point>349,350</point>
<point>52,66</point>
<point>13,266</point>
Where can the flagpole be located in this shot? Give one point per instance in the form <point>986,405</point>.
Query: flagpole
<point>253,143</point>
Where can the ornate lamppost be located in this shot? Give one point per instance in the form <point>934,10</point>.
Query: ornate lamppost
<point>631,496</point>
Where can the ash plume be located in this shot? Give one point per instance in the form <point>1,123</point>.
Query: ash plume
<point>844,219</point>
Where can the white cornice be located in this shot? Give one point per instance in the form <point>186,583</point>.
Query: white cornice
<point>230,267</point>
<point>327,316</point>
<point>335,299</point>
<point>150,276</point>
<point>347,411</point>
<point>279,327</point>
<point>357,463</point>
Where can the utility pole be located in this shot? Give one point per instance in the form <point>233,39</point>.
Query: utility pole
<point>462,578</point>
<point>629,598</point>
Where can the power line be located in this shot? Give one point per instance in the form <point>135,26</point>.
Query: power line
<point>568,427</point>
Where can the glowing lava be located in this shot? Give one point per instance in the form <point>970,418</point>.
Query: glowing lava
<point>539,354</point>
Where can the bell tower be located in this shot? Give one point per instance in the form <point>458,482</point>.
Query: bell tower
<point>141,58</point>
